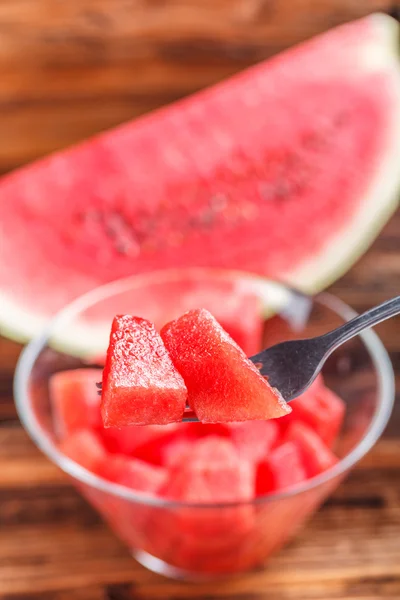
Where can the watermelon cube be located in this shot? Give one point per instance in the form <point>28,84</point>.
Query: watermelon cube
<point>141,441</point>
<point>85,447</point>
<point>236,307</point>
<point>134,473</point>
<point>75,401</point>
<point>254,439</point>
<point>210,472</point>
<point>173,452</point>
<point>223,385</point>
<point>282,468</point>
<point>316,455</point>
<point>152,448</point>
<point>321,409</point>
<point>141,386</point>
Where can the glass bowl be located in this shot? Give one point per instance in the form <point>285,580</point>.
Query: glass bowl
<point>206,541</point>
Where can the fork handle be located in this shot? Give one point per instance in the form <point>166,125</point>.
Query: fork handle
<point>371,317</point>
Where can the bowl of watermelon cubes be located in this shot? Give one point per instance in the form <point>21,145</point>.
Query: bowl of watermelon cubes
<point>104,389</point>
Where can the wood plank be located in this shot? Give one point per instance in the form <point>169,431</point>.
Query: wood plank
<point>342,543</point>
<point>46,527</point>
<point>72,69</point>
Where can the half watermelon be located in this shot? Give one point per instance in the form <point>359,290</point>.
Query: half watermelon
<point>288,169</point>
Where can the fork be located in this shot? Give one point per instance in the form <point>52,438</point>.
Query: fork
<point>292,366</point>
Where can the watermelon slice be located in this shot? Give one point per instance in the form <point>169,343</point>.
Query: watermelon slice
<point>75,401</point>
<point>223,385</point>
<point>316,456</point>
<point>288,169</point>
<point>140,384</point>
<point>281,469</point>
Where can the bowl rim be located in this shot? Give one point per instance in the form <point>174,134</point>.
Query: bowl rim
<point>374,346</point>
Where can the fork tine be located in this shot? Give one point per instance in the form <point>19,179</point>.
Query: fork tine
<point>189,415</point>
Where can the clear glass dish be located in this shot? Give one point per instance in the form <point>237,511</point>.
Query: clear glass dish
<point>206,541</point>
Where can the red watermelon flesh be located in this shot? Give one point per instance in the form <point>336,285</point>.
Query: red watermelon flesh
<point>287,169</point>
<point>152,450</point>
<point>121,440</point>
<point>140,384</point>
<point>254,439</point>
<point>281,469</point>
<point>321,409</point>
<point>176,450</point>
<point>134,473</point>
<point>238,314</point>
<point>75,400</point>
<point>212,472</point>
<point>230,297</point>
<point>140,441</point>
<point>316,456</point>
<point>85,447</point>
<point>223,385</point>
<point>237,309</point>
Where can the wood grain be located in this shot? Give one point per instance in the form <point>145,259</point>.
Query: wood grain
<point>70,69</point>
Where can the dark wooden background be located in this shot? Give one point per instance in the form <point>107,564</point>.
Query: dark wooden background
<point>72,68</point>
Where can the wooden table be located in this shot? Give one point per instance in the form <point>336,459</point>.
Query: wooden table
<point>69,69</point>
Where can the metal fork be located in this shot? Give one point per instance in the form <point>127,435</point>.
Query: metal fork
<point>292,366</point>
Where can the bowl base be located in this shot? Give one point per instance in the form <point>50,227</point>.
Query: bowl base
<point>156,565</point>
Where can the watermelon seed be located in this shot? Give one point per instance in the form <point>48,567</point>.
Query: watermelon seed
<point>99,385</point>
<point>258,365</point>
<point>207,218</point>
<point>218,202</point>
<point>122,247</point>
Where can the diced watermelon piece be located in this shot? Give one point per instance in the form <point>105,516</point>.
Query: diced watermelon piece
<point>173,449</point>
<point>223,385</point>
<point>140,384</point>
<point>212,450</point>
<point>282,468</point>
<point>254,439</point>
<point>75,401</point>
<point>152,448</point>
<point>173,452</point>
<point>121,441</point>
<point>237,310</point>
<point>85,447</point>
<point>212,472</point>
<point>134,473</point>
<point>316,455</point>
<point>235,306</point>
<point>140,441</point>
<point>321,409</point>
